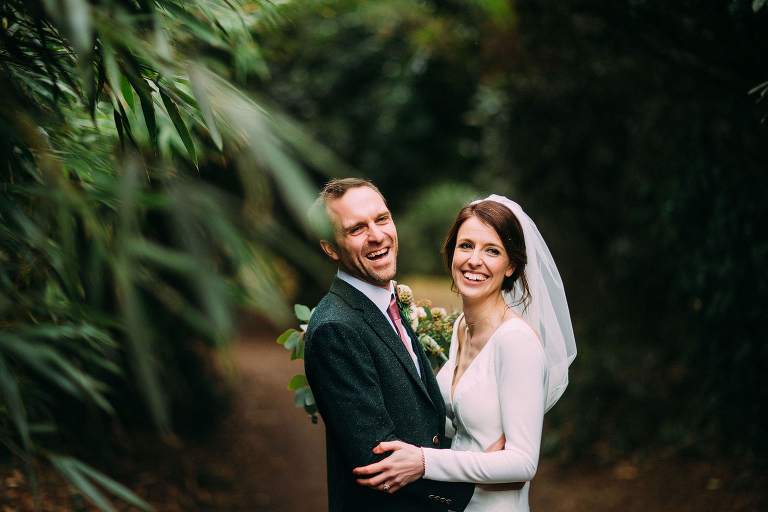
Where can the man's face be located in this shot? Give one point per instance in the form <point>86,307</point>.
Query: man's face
<point>365,236</point>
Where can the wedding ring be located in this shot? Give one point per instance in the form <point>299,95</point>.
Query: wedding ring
<point>386,487</point>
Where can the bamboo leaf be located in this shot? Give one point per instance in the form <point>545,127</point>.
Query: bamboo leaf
<point>123,118</point>
<point>178,122</point>
<point>54,331</point>
<point>94,92</point>
<point>72,473</point>
<point>197,80</point>
<point>127,91</point>
<point>112,72</point>
<point>115,488</point>
<point>147,106</point>
<point>197,27</point>
<point>78,14</point>
<point>137,327</point>
<point>39,358</point>
<point>49,363</point>
<point>165,257</point>
<point>18,413</point>
<point>139,344</point>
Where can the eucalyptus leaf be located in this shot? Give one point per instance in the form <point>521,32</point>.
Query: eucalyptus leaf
<point>285,335</point>
<point>297,381</point>
<point>292,341</point>
<point>302,312</point>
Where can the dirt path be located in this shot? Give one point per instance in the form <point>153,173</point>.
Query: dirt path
<point>276,448</point>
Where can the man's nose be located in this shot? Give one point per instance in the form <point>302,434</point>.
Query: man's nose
<point>375,233</point>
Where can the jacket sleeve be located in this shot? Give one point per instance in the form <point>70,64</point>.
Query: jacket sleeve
<point>520,368</point>
<point>345,382</point>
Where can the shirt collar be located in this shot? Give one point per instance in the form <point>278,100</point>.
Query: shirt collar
<point>377,295</point>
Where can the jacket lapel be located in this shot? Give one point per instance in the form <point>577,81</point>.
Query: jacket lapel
<point>380,325</point>
<point>416,346</point>
<point>427,375</point>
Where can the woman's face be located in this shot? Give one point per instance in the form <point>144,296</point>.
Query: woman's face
<point>480,262</point>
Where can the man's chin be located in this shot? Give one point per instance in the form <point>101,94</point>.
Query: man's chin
<point>380,277</point>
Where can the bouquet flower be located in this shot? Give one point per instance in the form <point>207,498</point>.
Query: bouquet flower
<point>432,325</point>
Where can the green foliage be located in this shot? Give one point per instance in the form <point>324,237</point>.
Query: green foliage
<point>136,212</point>
<point>422,229</point>
<point>377,81</point>
<point>293,340</point>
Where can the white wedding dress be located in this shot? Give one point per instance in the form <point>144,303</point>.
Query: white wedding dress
<point>503,391</point>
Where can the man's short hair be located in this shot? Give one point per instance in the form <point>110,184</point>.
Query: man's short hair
<point>337,187</point>
<point>332,190</point>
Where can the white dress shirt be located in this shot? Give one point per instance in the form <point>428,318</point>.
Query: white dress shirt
<point>380,297</point>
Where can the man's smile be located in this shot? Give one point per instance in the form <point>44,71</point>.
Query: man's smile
<point>377,255</point>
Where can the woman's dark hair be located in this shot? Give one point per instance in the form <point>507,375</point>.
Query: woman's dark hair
<point>506,225</point>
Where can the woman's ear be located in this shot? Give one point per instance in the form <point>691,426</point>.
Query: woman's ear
<point>329,250</point>
<point>510,270</point>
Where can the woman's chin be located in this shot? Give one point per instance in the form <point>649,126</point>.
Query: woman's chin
<point>474,292</point>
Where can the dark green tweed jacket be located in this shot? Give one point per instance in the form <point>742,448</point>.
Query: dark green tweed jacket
<point>367,390</point>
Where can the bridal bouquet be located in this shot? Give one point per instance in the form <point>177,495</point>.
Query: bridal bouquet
<point>433,327</point>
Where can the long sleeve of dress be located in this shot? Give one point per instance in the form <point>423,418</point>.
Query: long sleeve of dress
<point>520,371</point>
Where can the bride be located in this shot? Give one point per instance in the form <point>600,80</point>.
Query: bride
<point>508,363</point>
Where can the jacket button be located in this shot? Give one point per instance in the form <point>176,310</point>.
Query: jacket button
<point>436,440</point>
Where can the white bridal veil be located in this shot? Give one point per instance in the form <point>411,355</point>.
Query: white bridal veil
<point>547,312</point>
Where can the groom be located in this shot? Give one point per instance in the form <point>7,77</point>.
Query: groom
<point>370,378</point>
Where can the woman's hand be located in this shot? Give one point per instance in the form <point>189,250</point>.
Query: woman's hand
<point>403,466</point>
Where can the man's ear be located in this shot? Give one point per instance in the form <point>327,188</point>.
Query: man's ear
<point>329,250</point>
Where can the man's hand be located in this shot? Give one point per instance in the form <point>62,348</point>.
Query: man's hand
<point>403,466</point>
<point>497,445</point>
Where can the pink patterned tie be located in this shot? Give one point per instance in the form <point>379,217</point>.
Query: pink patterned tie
<point>394,315</point>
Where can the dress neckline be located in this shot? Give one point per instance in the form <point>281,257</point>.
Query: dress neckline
<point>455,385</point>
